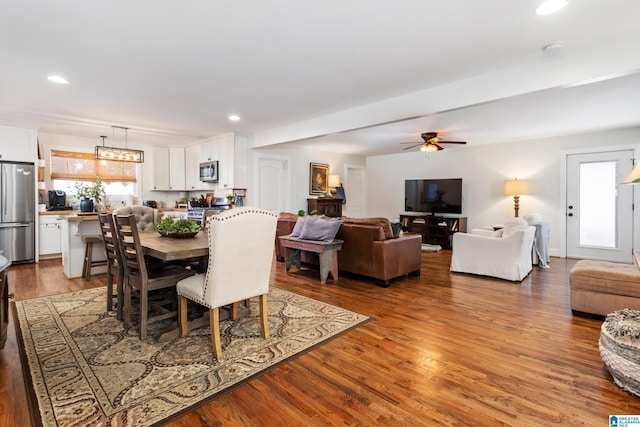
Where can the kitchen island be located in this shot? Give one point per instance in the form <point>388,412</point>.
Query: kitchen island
<point>73,228</point>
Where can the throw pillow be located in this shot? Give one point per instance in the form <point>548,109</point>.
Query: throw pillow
<point>319,228</point>
<point>298,227</point>
<point>514,225</point>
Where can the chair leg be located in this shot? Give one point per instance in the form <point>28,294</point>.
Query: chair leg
<point>144,313</point>
<point>88,256</point>
<point>234,311</point>
<point>109,290</point>
<point>120,291</point>
<point>182,315</point>
<point>264,319</point>
<point>127,304</point>
<point>214,324</point>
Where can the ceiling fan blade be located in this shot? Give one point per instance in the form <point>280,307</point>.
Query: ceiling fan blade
<point>439,147</point>
<point>452,142</point>
<point>411,146</point>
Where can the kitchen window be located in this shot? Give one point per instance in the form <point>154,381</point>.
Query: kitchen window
<point>67,167</point>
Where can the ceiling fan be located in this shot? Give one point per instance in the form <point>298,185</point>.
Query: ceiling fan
<point>430,144</point>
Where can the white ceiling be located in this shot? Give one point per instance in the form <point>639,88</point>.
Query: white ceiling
<point>173,71</point>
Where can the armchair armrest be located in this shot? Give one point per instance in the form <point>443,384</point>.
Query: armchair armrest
<point>397,257</point>
<point>484,231</point>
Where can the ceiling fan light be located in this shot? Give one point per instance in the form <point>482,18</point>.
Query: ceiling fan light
<point>428,148</point>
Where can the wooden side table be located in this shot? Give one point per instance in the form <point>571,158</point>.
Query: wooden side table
<point>327,252</point>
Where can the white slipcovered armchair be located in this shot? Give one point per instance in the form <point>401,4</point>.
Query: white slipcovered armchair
<point>505,254</point>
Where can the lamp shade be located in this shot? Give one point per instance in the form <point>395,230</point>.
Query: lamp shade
<point>334,181</point>
<point>516,187</point>
<point>634,176</point>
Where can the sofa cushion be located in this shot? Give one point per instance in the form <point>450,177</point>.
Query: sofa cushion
<point>383,223</point>
<point>514,225</point>
<point>319,228</point>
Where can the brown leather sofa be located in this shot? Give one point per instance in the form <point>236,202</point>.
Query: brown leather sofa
<point>369,249</point>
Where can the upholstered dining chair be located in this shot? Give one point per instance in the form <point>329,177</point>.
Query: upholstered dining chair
<point>240,259</point>
<point>146,217</point>
<point>114,264</point>
<point>142,280</point>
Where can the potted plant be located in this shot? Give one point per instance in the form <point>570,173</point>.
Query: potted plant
<point>90,194</point>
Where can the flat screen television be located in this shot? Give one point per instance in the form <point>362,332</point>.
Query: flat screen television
<point>434,196</point>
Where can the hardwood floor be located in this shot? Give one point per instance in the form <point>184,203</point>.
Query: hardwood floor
<point>442,349</point>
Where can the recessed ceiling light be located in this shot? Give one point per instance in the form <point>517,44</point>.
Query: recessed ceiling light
<point>551,6</point>
<point>234,118</point>
<point>58,79</point>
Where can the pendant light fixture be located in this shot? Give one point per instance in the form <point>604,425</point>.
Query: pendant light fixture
<point>125,154</point>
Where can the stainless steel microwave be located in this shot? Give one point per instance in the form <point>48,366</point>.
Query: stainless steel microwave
<point>209,171</point>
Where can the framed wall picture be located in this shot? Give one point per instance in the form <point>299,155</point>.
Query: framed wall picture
<point>318,178</point>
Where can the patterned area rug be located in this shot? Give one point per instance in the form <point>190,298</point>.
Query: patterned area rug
<point>85,369</point>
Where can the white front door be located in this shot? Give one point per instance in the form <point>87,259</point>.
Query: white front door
<point>599,210</point>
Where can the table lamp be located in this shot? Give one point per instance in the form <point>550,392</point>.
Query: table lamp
<point>334,181</point>
<point>516,188</point>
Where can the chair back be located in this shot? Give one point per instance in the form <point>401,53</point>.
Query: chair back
<point>146,217</point>
<point>240,255</point>
<point>130,247</point>
<point>110,240</point>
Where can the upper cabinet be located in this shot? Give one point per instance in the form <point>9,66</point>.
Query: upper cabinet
<point>17,144</point>
<point>231,153</point>
<point>169,169</point>
<point>177,168</point>
<point>191,172</point>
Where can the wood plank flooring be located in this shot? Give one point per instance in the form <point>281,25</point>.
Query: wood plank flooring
<point>442,349</point>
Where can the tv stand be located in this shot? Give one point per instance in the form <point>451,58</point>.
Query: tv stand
<point>435,229</point>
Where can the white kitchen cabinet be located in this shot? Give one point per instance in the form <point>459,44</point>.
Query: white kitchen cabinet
<point>169,169</point>
<point>226,166</point>
<point>50,236</point>
<point>160,168</point>
<point>191,173</point>
<point>176,169</point>
<point>17,144</point>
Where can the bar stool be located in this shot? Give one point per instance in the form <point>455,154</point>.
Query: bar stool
<point>88,255</point>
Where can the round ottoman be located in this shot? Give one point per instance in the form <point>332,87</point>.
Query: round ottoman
<point>620,348</point>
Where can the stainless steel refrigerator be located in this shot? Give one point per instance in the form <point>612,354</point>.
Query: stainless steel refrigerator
<point>17,211</point>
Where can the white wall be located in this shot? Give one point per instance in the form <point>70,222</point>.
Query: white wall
<point>299,160</point>
<point>483,170</point>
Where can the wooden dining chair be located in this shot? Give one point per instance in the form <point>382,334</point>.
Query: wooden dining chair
<point>114,264</point>
<point>140,279</point>
<point>240,259</point>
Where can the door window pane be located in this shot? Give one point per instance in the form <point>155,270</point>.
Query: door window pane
<point>598,204</point>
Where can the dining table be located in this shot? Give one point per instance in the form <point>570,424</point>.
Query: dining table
<point>174,249</point>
